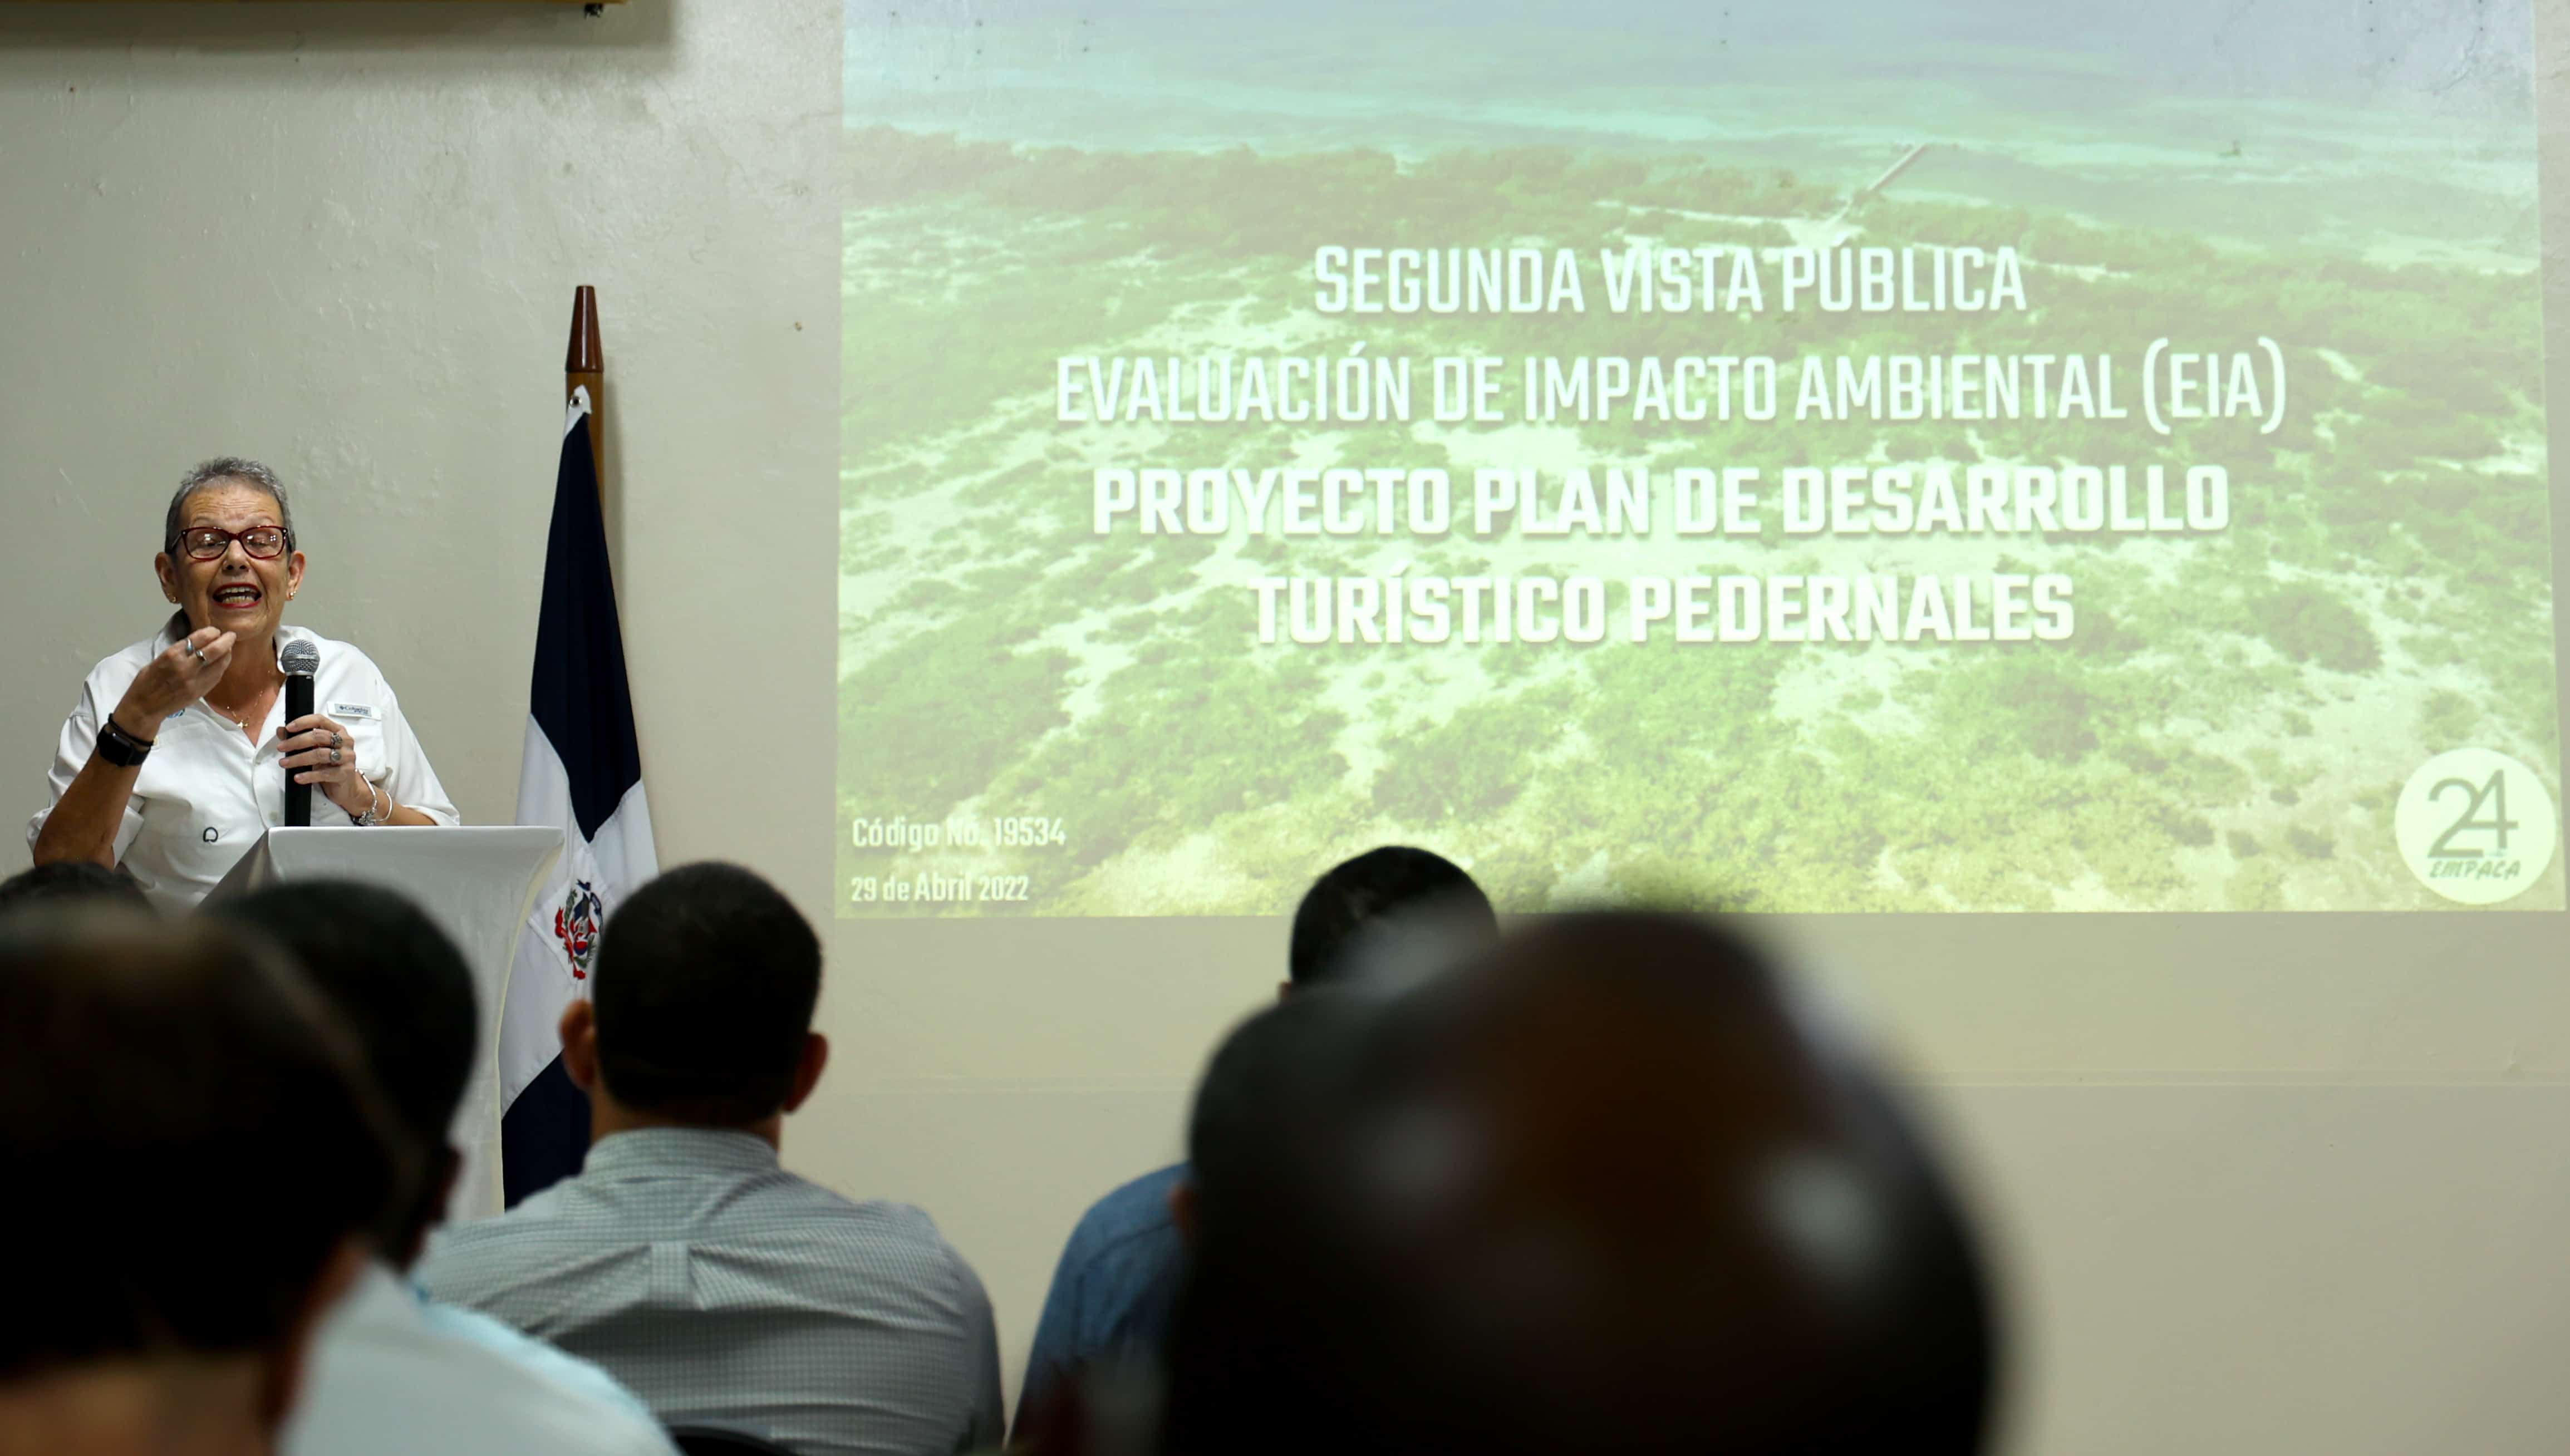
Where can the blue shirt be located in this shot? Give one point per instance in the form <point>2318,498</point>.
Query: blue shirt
<point>1112,1291</point>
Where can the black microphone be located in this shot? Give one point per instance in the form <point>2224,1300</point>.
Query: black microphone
<point>300,659</point>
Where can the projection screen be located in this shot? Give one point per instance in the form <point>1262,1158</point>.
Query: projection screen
<point>1852,457</point>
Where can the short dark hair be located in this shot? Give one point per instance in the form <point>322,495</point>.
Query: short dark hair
<point>704,987</point>
<point>222,469</point>
<point>403,989</point>
<point>1356,896</point>
<point>1260,1091</point>
<point>71,882</point>
<point>194,1137</point>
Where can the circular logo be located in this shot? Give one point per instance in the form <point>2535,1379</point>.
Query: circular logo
<point>2475,826</point>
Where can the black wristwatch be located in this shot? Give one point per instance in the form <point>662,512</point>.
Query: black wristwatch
<point>120,748</point>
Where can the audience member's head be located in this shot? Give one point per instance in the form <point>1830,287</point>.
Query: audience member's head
<point>1379,920</point>
<point>70,881</point>
<point>402,987</point>
<point>1609,1191</point>
<point>1361,898</point>
<point>1260,1122</point>
<point>194,1155</point>
<point>1255,1137</point>
<point>701,1008</point>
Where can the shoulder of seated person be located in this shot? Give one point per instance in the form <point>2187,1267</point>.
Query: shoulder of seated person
<point>515,1397</point>
<point>884,1214</point>
<point>456,1245</point>
<point>1139,1205</point>
<point>1150,1191</point>
<point>571,1421</point>
<point>874,1221</point>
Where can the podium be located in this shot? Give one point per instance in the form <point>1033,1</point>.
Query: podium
<point>477,885</point>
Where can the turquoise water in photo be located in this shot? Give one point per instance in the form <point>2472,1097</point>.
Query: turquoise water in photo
<point>2392,130</point>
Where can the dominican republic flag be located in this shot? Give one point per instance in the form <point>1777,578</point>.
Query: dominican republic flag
<point>583,773</point>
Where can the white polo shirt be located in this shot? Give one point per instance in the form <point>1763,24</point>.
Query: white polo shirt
<point>207,793</point>
<point>387,1378</point>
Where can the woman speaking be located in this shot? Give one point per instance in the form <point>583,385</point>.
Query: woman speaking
<point>175,760</point>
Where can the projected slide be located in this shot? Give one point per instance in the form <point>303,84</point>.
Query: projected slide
<point>1864,456</point>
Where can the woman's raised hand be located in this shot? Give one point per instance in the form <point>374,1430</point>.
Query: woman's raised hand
<point>175,679</point>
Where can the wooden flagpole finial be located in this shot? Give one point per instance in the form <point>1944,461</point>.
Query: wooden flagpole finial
<point>585,364</point>
<point>585,356</point>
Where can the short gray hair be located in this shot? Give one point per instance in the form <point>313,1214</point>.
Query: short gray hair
<point>226,467</point>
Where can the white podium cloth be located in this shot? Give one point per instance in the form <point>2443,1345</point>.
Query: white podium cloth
<point>476,883</point>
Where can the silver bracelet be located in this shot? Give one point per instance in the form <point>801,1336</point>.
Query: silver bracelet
<point>378,809</point>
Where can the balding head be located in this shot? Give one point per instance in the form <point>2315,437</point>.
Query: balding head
<point>1607,1191</point>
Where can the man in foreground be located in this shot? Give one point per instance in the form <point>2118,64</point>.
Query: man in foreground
<point>1609,1191</point>
<point>142,1063</point>
<point>395,1374</point>
<point>722,1290</point>
<point>1112,1290</point>
<point>67,883</point>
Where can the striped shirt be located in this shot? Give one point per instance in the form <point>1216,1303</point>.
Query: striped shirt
<point>729,1292</point>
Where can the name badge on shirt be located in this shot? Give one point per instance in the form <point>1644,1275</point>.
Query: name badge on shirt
<point>353,710</point>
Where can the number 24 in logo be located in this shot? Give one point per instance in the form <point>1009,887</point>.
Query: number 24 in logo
<point>2475,826</point>
<point>2493,795</point>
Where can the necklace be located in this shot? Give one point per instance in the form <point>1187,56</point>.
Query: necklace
<point>239,717</point>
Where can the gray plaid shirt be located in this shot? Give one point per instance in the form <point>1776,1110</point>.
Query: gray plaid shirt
<point>726,1292</point>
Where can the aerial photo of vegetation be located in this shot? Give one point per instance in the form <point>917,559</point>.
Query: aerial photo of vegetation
<point>2228,728</point>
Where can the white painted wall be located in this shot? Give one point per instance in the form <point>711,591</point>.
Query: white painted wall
<point>2301,1191</point>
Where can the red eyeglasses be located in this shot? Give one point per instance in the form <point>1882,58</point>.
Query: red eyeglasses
<point>207,542</point>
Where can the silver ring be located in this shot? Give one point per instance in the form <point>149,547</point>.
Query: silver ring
<point>193,650</point>
<point>338,741</point>
<point>334,758</point>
